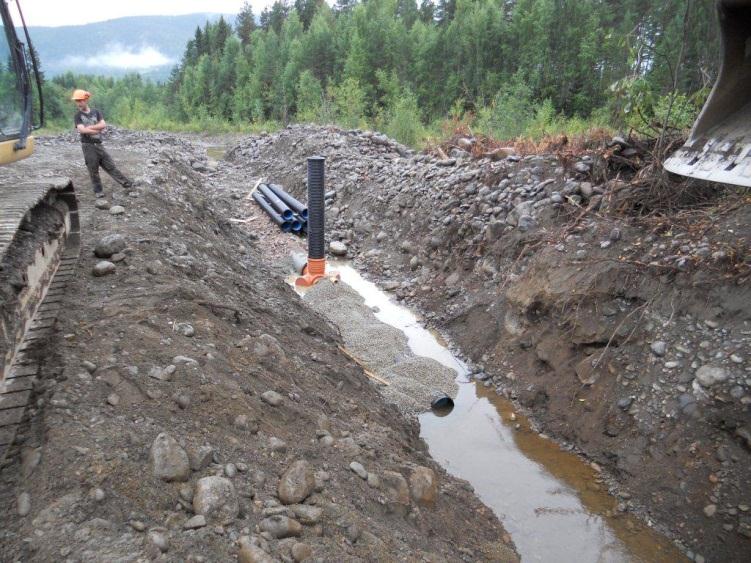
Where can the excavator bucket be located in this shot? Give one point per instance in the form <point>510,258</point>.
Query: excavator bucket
<point>719,147</point>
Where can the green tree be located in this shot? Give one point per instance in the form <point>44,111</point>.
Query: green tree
<point>245,24</point>
<point>309,97</point>
<point>306,9</point>
<point>349,102</point>
<point>427,11</point>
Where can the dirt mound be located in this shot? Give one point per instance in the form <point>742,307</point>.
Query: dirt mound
<point>191,408</point>
<point>626,334</point>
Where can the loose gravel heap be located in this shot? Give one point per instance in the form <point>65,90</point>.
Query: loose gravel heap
<point>413,380</point>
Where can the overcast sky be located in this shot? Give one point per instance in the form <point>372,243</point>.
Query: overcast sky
<point>60,12</point>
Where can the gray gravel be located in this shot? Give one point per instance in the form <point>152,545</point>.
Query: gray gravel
<point>414,380</point>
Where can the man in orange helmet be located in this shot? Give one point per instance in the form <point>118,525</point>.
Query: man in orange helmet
<point>90,124</point>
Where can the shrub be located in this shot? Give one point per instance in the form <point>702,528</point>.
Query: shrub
<point>349,103</point>
<point>309,97</point>
<point>403,121</point>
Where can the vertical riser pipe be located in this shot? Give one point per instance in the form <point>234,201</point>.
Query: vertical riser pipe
<point>316,245</point>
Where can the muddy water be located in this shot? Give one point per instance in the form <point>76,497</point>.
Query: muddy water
<point>216,152</point>
<point>549,500</point>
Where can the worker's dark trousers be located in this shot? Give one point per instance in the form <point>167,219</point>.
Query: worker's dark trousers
<point>95,156</point>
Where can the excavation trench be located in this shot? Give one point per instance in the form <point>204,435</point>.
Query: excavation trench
<point>553,503</point>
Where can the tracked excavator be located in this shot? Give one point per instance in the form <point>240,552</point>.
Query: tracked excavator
<point>39,229</point>
<point>719,146</point>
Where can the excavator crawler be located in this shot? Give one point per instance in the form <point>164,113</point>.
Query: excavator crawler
<point>719,147</point>
<point>39,233</point>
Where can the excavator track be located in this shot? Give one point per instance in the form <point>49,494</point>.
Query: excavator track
<point>39,249</point>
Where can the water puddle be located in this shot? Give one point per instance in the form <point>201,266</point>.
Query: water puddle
<point>216,152</point>
<point>550,501</point>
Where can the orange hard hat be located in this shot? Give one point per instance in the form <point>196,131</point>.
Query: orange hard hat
<point>80,95</point>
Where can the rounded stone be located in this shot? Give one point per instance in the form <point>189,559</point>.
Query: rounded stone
<point>272,398</point>
<point>281,526</point>
<point>103,268</point>
<point>158,537</point>
<point>296,483</point>
<point>396,488</point>
<point>250,553</point>
<point>424,485</point>
<point>338,248</point>
<point>358,469</point>
<point>659,348</point>
<point>23,504</point>
<point>169,461</point>
<point>215,498</point>
<point>301,552</point>
<point>707,376</point>
<point>109,245</point>
<point>185,329</point>
<point>307,514</point>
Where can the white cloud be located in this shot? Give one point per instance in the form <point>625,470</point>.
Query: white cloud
<point>55,12</point>
<point>120,57</point>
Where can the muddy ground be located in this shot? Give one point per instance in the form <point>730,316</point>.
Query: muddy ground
<point>191,408</point>
<point>618,318</point>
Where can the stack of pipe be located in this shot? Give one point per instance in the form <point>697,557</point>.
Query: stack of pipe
<point>290,214</point>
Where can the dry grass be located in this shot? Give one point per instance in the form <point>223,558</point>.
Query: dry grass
<point>562,145</point>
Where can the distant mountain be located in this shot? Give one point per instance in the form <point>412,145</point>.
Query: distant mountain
<point>150,45</point>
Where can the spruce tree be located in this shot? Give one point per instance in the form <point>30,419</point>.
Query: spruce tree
<point>245,24</point>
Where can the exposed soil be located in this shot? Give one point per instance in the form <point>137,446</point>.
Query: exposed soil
<point>194,359</point>
<point>625,332</point>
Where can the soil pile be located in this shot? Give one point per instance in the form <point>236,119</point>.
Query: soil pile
<point>625,332</point>
<point>192,408</point>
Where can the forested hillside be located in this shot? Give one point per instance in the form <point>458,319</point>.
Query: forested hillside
<point>512,67</point>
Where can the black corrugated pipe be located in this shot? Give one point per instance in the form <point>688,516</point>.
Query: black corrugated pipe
<point>297,225</point>
<point>316,244</point>
<point>281,207</point>
<point>303,224</point>
<point>294,204</point>
<point>275,217</point>
<point>316,267</point>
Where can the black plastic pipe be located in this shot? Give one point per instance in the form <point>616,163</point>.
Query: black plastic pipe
<point>281,207</point>
<point>316,245</point>
<point>294,204</point>
<point>269,209</point>
<point>303,223</point>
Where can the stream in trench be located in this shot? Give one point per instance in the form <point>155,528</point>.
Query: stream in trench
<point>549,500</point>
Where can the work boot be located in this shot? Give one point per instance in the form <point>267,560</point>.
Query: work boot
<point>99,195</point>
